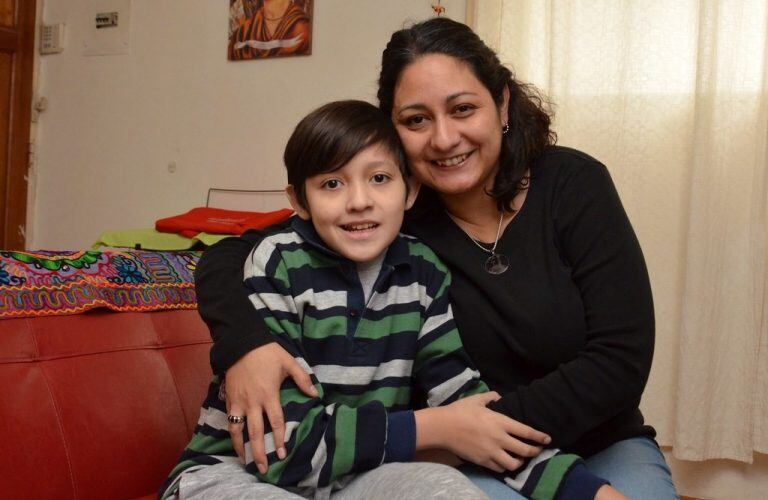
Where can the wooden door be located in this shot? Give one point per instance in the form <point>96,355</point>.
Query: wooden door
<point>17,45</point>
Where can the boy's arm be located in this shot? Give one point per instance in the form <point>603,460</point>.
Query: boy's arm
<point>445,374</point>
<point>555,475</point>
<point>442,369</point>
<point>323,441</point>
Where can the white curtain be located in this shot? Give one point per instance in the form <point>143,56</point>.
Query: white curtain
<point>673,98</point>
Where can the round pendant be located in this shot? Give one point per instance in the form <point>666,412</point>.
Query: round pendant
<point>496,264</point>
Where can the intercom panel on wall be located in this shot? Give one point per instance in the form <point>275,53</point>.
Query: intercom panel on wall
<point>52,38</point>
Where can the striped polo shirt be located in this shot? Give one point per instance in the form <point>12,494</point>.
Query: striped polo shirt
<point>370,361</point>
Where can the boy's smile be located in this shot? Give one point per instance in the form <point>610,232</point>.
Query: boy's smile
<point>357,209</point>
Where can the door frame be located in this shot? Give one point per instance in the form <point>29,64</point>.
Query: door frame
<point>17,40</point>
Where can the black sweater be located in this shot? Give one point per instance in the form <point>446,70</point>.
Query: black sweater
<point>565,335</point>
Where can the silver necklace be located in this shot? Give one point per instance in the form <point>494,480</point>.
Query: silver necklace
<point>497,263</point>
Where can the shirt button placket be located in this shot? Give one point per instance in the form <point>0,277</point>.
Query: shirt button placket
<point>353,316</point>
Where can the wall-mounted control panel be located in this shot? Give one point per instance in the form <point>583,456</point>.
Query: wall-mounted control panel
<point>52,38</point>
<point>108,30</point>
<point>106,20</point>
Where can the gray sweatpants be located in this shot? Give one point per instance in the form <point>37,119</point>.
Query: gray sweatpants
<point>393,481</point>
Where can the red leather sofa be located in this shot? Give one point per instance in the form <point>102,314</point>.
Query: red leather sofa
<point>100,404</point>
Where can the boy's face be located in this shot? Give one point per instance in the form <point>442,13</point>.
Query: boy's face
<point>357,210</point>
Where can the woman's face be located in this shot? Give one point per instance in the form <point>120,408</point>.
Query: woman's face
<point>449,125</point>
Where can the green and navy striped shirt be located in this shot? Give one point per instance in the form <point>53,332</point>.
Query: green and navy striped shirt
<point>370,361</point>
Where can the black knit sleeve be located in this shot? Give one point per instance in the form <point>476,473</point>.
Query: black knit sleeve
<point>607,376</point>
<point>236,327</point>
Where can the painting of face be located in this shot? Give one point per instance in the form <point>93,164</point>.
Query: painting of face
<point>260,29</point>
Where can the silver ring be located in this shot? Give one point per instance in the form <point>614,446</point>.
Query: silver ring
<point>236,419</point>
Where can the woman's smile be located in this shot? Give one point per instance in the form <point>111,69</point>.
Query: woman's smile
<point>453,161</point>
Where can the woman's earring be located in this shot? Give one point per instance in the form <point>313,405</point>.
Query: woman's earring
<point>505,128</point>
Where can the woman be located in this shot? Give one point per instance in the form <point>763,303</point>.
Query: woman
<point>550,290</point>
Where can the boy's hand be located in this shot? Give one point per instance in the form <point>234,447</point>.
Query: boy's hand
<point>478,434</point>
<point>253,389</point>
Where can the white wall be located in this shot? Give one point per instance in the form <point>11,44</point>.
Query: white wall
<point>115,122</point>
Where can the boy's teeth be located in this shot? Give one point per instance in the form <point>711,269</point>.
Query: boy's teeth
<point>449,162</point>
<point>359,227</point>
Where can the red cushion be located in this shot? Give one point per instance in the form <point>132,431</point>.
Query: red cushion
<point>219,221</point>
<point>98,405</point>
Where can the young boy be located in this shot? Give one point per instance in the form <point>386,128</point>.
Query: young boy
<point>366,312</point>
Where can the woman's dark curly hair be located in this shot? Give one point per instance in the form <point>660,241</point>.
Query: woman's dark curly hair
<point>528,114</point>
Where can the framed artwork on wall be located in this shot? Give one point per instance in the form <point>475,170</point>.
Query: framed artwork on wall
<point>262,29</point>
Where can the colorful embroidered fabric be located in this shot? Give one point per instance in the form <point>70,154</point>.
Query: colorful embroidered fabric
<point>49,283</point>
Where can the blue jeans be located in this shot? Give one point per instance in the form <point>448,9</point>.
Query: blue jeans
<point>635,467</point>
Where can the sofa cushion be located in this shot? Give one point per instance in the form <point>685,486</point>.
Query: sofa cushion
<point>98,405</point>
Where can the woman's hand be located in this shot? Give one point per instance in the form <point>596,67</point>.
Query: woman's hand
<point>478,434</point>
<point>253,389</point>
<point>607,492</point>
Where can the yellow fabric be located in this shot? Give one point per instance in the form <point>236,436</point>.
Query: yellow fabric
<point>150,239</point>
